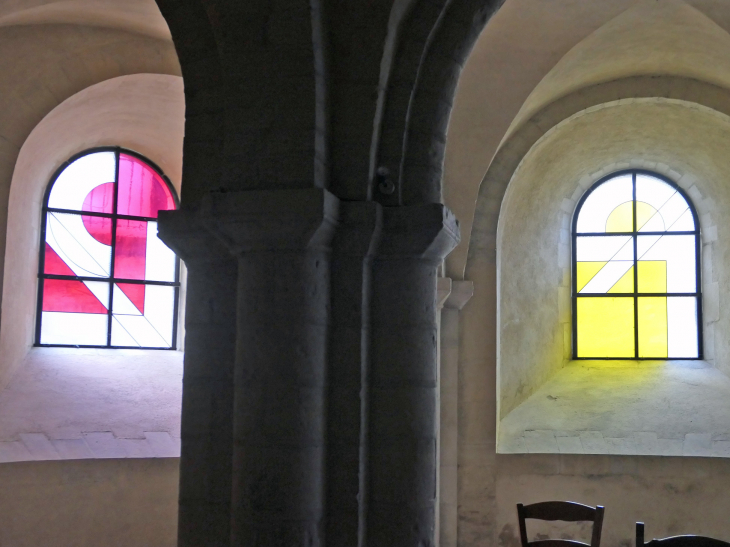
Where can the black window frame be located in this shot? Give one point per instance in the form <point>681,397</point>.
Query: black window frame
<point>635,294</point>
<point>111,280</point>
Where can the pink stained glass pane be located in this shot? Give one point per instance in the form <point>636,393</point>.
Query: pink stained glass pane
<point>61,295</point>
<point>54,264</point>
<point>142,192</point>
<point>131,250</point>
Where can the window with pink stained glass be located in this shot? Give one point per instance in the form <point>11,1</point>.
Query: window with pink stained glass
<point>105,278</point>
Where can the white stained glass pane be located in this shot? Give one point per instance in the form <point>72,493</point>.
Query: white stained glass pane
<point>655,222</point>
<point>123,305</point>
<point>679,253</point>
<point>139,329</point>
<point>160,261</point>
<point>121,336</point>
<point>160,309</point>
<point>604,248</point>
<point>682,327</point>
<point>601,202</point>
<point>81,177</point>
<point>671,213</point>
<point>668,202</point>
<point>69,238</point>
<point>653,191</point>
<point>154,328</point>
<point>608,276</point>
<point>685,223</point>
<point>75,329</point>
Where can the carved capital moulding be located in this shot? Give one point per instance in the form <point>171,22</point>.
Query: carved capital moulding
<point>426,232</point>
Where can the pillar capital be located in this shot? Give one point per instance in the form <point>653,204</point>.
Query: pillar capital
<point>184,233</point>
<point>272,220</point>
<point>443,290</point>
<point>461,293</point>
<point>427,232</point>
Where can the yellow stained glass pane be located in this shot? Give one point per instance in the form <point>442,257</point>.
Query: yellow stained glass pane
<point>653,327</point>
<point>625,284</point>
<point>644,213</point>
<point>605,327</point>
<point>586,271</point>
<point>652,276</point>
<point>621,218</point>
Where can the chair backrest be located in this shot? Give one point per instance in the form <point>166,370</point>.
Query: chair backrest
<point>560,510</point>
<point>677,541</point>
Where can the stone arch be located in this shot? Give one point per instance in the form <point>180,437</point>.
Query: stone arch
<point>436,40</point>
<point>233,96</point>
<point>194,39</point>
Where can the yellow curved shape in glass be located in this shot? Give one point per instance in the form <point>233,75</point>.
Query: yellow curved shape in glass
<point>621,218</point>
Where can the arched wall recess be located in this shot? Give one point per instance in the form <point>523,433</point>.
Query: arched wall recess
<point>143,112</point>
<point>522,139</point>
<point>40,75</point>
<point>680,140</point>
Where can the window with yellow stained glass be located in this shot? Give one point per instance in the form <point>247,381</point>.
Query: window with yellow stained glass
<point>636,277</point>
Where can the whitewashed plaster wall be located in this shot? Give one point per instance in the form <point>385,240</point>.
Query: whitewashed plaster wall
<point>142,112</point>
<point>682,141</point>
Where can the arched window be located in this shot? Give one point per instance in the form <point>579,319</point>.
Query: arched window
<point>636,275</point>
<point>105,279</point>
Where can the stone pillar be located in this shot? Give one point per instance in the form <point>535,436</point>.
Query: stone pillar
<point>207,408</point>
<point>352,250</point>
<point>282,241</point>
<point>459,295</point>
<point>404,376</point>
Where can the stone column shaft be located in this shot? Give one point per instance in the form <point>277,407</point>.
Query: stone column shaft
<point>459,295</point>
<point>207,407</point>
<point>352,249</point>
<point>404,376</point>
<point>282,242</point>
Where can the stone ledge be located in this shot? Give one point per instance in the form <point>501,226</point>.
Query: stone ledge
<point>91,445</point>
<point>672,408</point>
<point>639,443</point>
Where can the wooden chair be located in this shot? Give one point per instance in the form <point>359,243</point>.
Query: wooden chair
<point>677,541</point>
<point>560,510</point>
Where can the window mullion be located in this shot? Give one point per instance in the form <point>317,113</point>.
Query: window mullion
<point>636,271</point>
<point>114,251</point>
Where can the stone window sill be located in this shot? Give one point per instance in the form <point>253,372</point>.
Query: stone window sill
<point>83,403</point>
<point>661,408</point>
